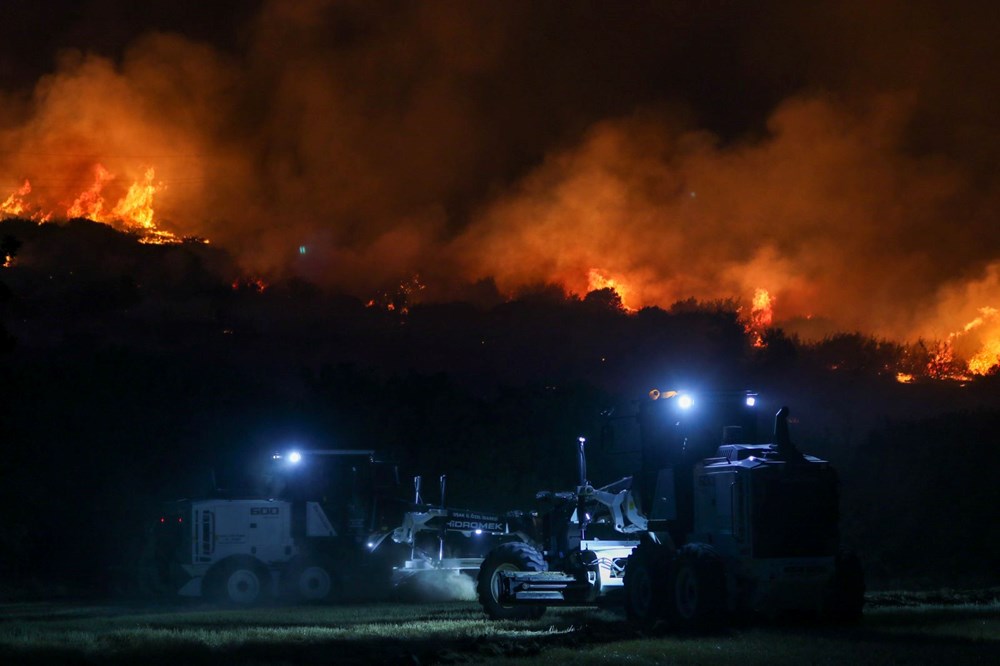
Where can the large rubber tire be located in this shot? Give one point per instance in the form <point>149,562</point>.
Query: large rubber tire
<point>239,582</point>
<point>514,556</point>
<point>314,581</point>
<point>696,588</point>
<point>845,597</point>
<point>646,585</point>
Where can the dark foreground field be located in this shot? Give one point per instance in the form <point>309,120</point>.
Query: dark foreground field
<point>897,629</point>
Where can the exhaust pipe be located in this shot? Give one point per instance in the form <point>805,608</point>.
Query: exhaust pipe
<point>782,440</point>
<point>581,514</point>
<point>441,533</point>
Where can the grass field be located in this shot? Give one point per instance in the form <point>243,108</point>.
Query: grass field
<point>896,629</point>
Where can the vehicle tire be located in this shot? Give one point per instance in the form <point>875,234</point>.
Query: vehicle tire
<point>645,585</point>
<point>696,588</point>
<point>513,556</point>
<point>845,597</point>
<point>314,581</point>
<point>239,582</point>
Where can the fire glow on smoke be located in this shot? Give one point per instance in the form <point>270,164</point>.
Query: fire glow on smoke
<point>493,162</point>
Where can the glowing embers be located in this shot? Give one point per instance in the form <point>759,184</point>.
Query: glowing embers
<point>400,300</point>
<point>133,212</point>
<point>254,284</point>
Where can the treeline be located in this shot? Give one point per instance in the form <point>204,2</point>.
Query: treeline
<point>141,373</point>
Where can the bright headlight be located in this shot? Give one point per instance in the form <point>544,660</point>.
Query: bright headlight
<point>685,402</point>
<point>294,457</point>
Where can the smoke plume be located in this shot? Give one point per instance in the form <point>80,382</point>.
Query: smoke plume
<point>840,157</point>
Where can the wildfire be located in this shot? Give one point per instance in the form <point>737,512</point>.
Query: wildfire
<point>133,212</point>
<point>942,363</point>
<point>14,205</point>
<point>401,299</point>
<point>136,208</point>
<point>250,284</point>
<point>987,359</point>
<point>597,280</point>
<point>761,316</point>
<point>90,203</point>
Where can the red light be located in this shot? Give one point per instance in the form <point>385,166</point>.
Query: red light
<point>163,520</point>
<point>180,520</point>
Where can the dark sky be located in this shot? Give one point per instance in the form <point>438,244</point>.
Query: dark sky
<point>840,155</point>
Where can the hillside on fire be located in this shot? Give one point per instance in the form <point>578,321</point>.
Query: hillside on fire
<point>140,372</point>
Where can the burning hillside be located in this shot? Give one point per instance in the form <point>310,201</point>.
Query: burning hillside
<point>133,211</point>
<point>355,147</point>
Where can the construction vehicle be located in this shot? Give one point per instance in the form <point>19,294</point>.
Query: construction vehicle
<point>446,540</point>
<point>689,538</point>
<point>304,540</point>
<point>333,529</point>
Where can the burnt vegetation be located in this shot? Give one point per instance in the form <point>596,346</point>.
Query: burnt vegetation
<point>137,373</point>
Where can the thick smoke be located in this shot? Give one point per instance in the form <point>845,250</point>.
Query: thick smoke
<point>841,157</point>
<point>825,211</point>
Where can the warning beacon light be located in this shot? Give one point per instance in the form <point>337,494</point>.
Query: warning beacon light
<point>685,401</point>
<point>292,457</point>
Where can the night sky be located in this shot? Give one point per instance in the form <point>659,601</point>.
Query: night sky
<point>840,155</point>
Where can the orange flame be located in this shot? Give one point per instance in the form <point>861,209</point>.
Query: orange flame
<point>14,205</point>
<point>596,280</point>
<point>90,203</point>
<point>943,363</point>
<point>136,208</point>
<point>133,212</point>
<point>987,359</point>
<point>761,316</point>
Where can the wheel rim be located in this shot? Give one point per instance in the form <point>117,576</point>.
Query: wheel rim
<point>314,583</point>
<point>243,586</point>
<point>495,579</point>
<point>686,592</point>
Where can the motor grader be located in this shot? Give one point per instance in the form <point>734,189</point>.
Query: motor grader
<point>689,538</point>
<point>333,529</point>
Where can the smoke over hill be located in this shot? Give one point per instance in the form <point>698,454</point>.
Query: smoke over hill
<point>841,158</point>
